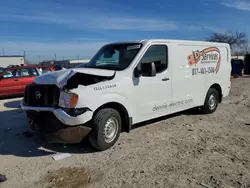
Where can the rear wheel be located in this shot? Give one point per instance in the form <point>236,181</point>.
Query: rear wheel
<point>211,101</point>
<point>106,129</point>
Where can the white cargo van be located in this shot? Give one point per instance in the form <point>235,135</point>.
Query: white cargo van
<point>126,83</point>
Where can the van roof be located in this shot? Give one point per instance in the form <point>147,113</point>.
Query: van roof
<point>144,41</point>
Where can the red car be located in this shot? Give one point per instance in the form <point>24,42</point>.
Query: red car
<point>14,79</point>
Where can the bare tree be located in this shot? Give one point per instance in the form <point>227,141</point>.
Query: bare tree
<point>246,48</point>
<point>235,40</point>
<point>241,50</point>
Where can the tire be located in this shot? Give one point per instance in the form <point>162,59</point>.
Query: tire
<point>211,101</point>
<point>103,122</point>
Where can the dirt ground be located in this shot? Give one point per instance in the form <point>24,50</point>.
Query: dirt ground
<point>184,150</point>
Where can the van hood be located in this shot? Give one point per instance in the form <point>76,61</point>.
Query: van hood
<point>61,77</point>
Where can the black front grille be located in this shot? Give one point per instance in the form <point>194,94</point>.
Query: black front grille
<point>41,95</point>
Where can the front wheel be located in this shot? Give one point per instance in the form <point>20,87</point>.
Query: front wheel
<point>211,101</point>
<point>106,129</point>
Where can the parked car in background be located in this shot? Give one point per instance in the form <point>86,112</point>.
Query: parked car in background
<point>59,67</point>
<point>45,69</point>
<point>1,69</point>
<point>13,80</point>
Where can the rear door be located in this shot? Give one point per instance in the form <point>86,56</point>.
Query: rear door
<point>10,82</point>
<point>27,76</point>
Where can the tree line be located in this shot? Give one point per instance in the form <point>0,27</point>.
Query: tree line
<point>238,41</point>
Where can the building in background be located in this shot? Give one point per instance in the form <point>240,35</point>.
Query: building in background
<point>8,60</point>
<point>242,57</point>
<point>65,63</point>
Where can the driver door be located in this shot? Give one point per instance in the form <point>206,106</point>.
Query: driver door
<point>153,93</point>
<point>10,82</point>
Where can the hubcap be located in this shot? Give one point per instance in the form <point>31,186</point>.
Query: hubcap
<point>212,102</point>
<point>110,129</point>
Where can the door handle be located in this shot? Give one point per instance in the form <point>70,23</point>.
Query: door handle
<point>16,80</point>
<point>165,79</point>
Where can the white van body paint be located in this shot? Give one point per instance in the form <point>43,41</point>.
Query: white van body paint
<point>193,67</point>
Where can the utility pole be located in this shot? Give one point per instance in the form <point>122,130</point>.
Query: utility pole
<point>38,58</point>
<point>55,55</point>
<point>78,41</point>
<point>24,56</point>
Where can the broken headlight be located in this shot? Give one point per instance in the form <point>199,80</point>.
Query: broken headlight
<point>68,100</point>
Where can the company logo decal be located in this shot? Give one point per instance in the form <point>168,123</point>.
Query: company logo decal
<point>208,55</point>
<point>38,95</point>
<point>171,105</point>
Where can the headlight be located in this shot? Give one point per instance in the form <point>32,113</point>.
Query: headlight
<point>68,100</point>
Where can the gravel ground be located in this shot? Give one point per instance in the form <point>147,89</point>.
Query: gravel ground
<point>184,150</point>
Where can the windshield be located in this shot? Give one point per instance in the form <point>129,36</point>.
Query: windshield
<point>1,70</point>
<point>114,56</point>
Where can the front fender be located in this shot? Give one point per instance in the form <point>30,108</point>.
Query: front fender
<point>111,97</point>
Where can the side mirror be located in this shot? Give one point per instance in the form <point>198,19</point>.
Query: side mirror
<point>137,72</point>
<point>145,69</point>
<point>153,69</point>
<point>1,77</point>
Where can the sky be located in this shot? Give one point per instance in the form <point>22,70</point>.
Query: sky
<point>64,29</point>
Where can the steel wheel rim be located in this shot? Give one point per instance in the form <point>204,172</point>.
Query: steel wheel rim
<point>212,102</point>
<point>110,129</point>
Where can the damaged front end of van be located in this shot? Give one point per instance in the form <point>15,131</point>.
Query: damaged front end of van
<point>55,103</point>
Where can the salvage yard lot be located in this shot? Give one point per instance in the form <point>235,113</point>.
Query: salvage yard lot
<point>183,150</point>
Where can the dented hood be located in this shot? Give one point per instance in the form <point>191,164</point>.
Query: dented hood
<point>61,77</point>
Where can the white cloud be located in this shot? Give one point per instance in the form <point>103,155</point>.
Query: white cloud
<point>200,27</point>
<point>95,21</point>
<point>131,23</point>
<point>237,4</point>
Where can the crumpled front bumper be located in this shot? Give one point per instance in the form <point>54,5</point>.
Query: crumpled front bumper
<point>57,125</point>
<point>68,135</point>
<point>61,115</point>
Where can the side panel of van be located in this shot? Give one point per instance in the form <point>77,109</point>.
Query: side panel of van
<point>223,72</point>
<point>187,88</point>
<point>195,68</point>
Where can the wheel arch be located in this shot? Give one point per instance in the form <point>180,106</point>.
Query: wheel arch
<point>219,89</point>
<point>126,119</point>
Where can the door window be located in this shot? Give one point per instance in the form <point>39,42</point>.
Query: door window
<point>27,72</point>
<point>157,54</point>
<point>15,73</point>
<point>45,69</point>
